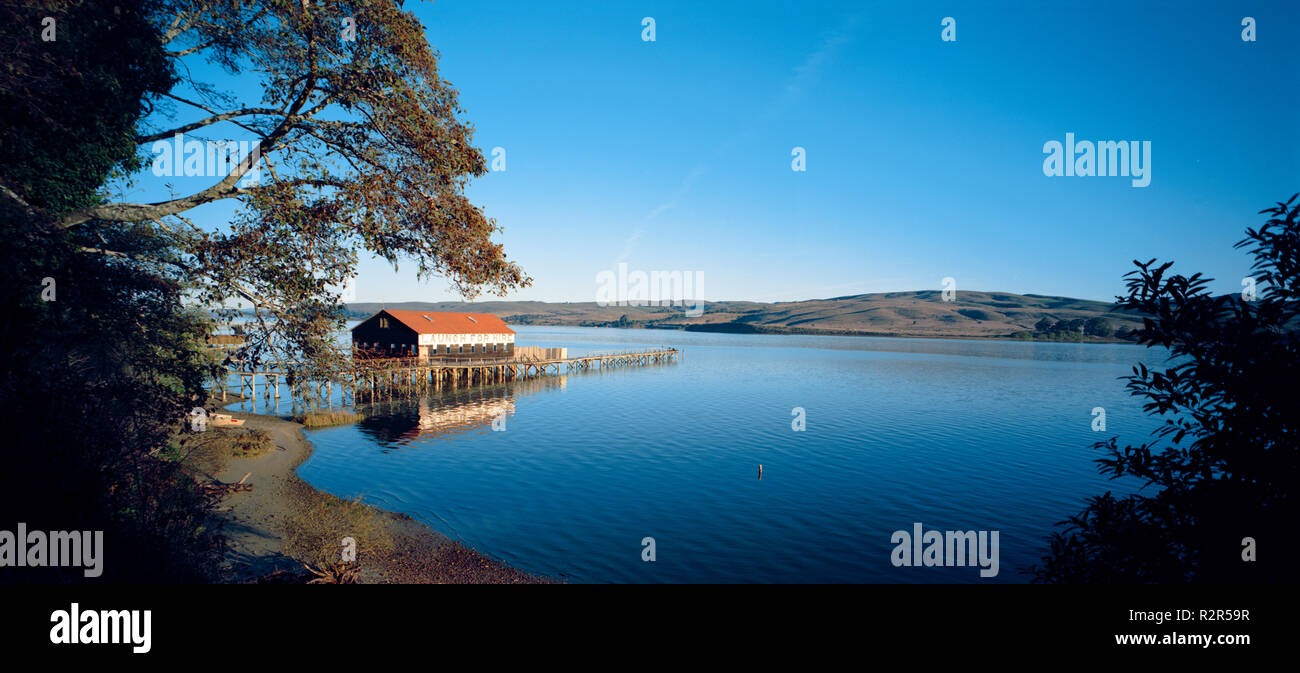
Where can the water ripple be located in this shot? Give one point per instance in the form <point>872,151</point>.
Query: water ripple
<point>965,434</point>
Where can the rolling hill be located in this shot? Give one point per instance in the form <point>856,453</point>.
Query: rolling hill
<point>920,314</point>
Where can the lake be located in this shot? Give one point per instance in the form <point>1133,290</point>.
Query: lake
<point>954,434</point>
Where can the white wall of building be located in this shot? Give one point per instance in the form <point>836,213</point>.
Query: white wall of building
<point>464,339</point>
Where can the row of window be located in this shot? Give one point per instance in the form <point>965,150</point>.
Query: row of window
<point>484,348</point>
<point>440,350</point>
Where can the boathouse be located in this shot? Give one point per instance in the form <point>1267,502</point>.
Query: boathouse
<point>430,334</point>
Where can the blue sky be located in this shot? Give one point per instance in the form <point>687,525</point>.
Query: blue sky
<point>924,157</point>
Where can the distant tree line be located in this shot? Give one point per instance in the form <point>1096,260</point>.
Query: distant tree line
<point>1077,329</point>
<point>1098,327</point>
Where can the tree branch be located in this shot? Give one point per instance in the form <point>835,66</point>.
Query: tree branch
<point>161,135</point>
<point>224,189</point>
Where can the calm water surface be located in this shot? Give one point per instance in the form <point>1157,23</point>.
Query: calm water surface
<point>969,435</point>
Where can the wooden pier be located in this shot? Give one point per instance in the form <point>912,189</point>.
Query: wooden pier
<point>372,379</point>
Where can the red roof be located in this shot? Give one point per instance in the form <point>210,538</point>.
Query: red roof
<point>432,322</point>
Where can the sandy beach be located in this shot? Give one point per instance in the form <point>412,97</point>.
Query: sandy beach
<point>255,524</point>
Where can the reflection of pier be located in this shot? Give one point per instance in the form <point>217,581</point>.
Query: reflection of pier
<point>372,379</point>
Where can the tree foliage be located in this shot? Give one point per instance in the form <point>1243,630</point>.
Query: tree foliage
<point>1224,464</point>
<point>99,357</point>
<point>1099,327</point>
<point>71,104</point>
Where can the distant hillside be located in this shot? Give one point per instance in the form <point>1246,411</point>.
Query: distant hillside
<point>923,313</point>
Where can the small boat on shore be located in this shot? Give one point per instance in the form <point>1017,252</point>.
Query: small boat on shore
<point>226,420</point>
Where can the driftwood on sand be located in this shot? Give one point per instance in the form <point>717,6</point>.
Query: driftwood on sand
<point>222,489</point>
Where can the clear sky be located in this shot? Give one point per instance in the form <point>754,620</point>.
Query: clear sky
<point>924,158</point>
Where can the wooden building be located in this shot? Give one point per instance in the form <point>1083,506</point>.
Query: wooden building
<point>428,334</point>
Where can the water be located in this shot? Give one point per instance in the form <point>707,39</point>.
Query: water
<point>958,435</point>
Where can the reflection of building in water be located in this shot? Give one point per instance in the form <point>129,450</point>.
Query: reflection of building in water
<point>402,422</point>
<point>443,419</point>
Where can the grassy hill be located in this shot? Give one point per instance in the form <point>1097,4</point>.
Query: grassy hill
<point>922,313</point>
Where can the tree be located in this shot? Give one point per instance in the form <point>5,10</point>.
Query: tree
<point>98,356</point>
<point>355,142</point>
<point>357,145</point>
<point>1224,465</point>
<point>71,104</point>
<point>1043,325</point>
<point>1098,326</point>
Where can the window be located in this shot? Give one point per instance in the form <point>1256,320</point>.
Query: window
<point>383,322</point>
<point>460,349</point>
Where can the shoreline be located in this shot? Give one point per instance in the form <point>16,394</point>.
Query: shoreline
<point>255,524</point>
<point>727,328</point>
<point>254,521</point>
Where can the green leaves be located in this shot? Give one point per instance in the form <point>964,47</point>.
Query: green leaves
<point>1226,461</point>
